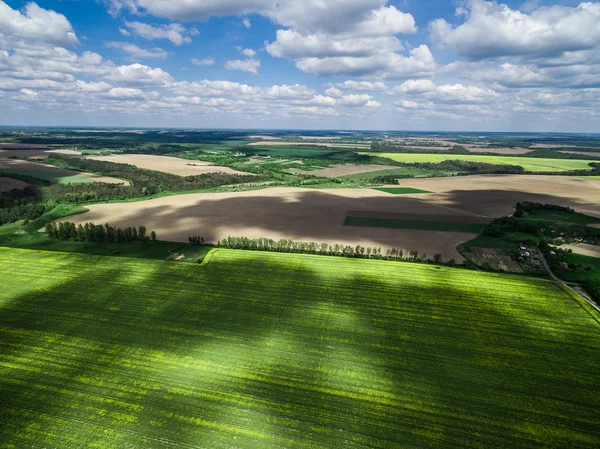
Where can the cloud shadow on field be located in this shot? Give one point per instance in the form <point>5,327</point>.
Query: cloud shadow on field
<point>316,216</point>
<point>333,361</point>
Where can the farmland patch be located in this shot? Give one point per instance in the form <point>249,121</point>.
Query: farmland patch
<point>278,350</point>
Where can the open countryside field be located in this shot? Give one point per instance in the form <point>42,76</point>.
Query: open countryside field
<point>173,165</point>
<point>497,195</point>
<point>307,215</point>
<point>529,164</point>
<point>584,249</point>
<point>346,170</point>
<point>7,184</point>
<point>53,174</point>
<point>36,153</point>
<point>258,350</point>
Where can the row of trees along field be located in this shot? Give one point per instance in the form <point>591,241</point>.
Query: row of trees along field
<point>290,246</point>
<point>143,182</point>
<point>21,204</point>
<point>91,232</point>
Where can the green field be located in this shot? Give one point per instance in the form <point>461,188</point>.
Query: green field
<point>402,190</point>
<point>529,164</point>
<point>561,217</point>
<point>401,172</point>
<point>422,225</point>
<point>263,350</point>
<point>582,276</point>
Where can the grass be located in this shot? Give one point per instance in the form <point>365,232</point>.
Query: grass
<point>262,350</point>
<point>509,242</point>
<point>49,176</point>
<point>581,276</point>
<point>421,225</point>
<point>401,172</point>
<point>562,217</point>
<point>402,190</point>
<point>529,164</point>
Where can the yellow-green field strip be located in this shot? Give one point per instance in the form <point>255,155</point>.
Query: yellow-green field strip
<point>269,350</point>
<point>528,163</point>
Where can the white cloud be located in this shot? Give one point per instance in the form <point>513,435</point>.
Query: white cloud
<point>246,51</point>
<point>203,62</point>
<point>34,25</point>
<point>334,92</point>
<point>190,10</point>
<point>245,65</point>
<point>356,100</point>
<point>124,32</point>
<point>362,85</point>
<point>174,32</point>
<point>139,75</point>
<point>136,52</point>
<point>246,22</point>
<point>494,30</point>
<point>415,86</point>
<point>419,63</point>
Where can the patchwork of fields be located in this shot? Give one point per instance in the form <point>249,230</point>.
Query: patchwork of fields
<point>259,350</point>
<point>528,163</point>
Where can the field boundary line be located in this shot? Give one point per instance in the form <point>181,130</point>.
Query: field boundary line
<point>209,257</point>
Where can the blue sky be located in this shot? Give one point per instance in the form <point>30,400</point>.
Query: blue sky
<point>338,64</point>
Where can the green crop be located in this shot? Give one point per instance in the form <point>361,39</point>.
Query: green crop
<point>270,350</point>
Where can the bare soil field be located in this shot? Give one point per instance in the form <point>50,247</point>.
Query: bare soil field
<point>473,149</point>
<point>345,170</point>
<point>584,249</point>
<point>291,213</point>
<point>12,146</point>
<point>36,153</point>
<point>52,173</point>
<point>264,137</point>
<point>585,153</point>
<point>496,195</point>
<point>281,143</point>
<point>173,165</point>
<point>7,184</point>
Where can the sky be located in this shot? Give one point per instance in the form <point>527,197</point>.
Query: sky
<point>431,65</point>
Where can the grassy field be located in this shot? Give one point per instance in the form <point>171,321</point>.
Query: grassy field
<point>582,276</point>
<point>395,223</point>
<point>401,172</point>
<point>262,350</point>
<point>529,164</point>
<point>402,190</point>
<point>562,217</point>
<point>509,242</point>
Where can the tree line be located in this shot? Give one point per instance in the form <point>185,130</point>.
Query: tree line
<point>91,232</point>
<point>326,249</point>
<point>143,182</point>
<point>21,204</point>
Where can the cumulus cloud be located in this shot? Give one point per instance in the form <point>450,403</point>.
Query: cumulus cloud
<point>362,85</point>
<point>174,32</point>
<point>203,62</point>
<point>246,51</point>
<point>34,25</point>
<point>334,92</point>
<point>494,30</point>
<point>139,75</point>
<point>136,52</point>
<point>244,65</point>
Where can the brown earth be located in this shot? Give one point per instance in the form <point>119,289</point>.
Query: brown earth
<point>7,184</point>
<point>496,195</point>
<point>15,164</point>
<point>281,143</point>
<point>166,164</point>
<point>13,146</point>
<point>584,249</point>
<point>36,153</point>
<point>345,170</point>
<point>291,213</point>
<point>585,153</point>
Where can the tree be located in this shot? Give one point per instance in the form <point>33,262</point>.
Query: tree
<point>437,258</point>
<point>153,236</point>
<point>49,230</point>
<point>142,232</point>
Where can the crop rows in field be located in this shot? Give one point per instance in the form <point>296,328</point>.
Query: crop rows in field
<point>263,350</point>
<point>530,164</point>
